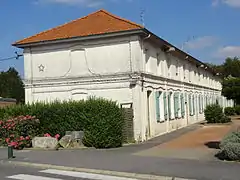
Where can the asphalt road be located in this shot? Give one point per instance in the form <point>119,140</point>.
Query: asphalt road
<point>25,173</point>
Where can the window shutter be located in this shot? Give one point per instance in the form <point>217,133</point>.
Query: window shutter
<point>157,95</point>
<point>199,104</point>
<point>182,106</point>
<point>165,105</point>
<point>169,106</point>
<point>176,104</point>
<point>190,104</point>
<point>193,104</point>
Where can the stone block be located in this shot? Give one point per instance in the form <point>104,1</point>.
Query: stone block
<point>45,142</point>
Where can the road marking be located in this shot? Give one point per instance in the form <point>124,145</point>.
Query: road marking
<point>84,175</point>
<point>31,177</point>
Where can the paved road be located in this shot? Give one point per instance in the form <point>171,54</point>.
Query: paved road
<point>25,173</point>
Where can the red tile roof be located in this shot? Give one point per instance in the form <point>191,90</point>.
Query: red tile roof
<point>97,23</point>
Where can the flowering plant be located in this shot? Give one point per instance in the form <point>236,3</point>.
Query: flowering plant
<point>57,136</point>
<point>17,132</point>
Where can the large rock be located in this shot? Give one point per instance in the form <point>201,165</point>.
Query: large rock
<point>45,142</point>
<point>68,141</point>
<point>65,141</point>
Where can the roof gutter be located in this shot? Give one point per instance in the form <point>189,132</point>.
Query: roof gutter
<point>82,38</point>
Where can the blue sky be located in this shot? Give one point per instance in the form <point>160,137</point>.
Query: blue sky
<point>207,29</point>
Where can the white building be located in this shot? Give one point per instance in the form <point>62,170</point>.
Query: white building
<point>107,56</point>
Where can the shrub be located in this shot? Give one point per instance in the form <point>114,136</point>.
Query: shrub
<point>55,118</point>
<point>230,146</point>
<point>237,110</point>
<point>229,111</point>
<point>18,131</point>
<point>101,120</point>
<point>104,124</point>
<point>214,114</point>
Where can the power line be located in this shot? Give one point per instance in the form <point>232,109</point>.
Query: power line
<point>17,56</point>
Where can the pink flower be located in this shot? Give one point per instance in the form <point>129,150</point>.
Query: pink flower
<point>22,138</point>
<point>13,144</point>
<point>47,135</point>
<point>57,136</point>
<point>7,140</point>
<point>27,138</point>
<point>12,135</point>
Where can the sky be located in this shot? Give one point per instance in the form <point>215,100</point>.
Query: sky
<point>207,29</point>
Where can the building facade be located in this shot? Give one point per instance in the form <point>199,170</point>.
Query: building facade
<point>122,61</point>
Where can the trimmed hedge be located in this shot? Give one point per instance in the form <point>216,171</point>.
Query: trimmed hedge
<point>230,147</point>
<point>214,114</point>
<point>104,124</point>
<point>55,117</point>
<point>102,120</point>
<point>229,111</point>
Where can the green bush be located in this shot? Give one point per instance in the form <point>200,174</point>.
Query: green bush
<point>55,117</point>
<point>237,110</point>
<point>229,111</point>
<point>214,114</point>
<point>101,120</point>
<point>104,124</point>
<point>230,147</point>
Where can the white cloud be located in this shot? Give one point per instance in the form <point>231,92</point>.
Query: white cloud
<point>231,3</point>
<point>88,3</point>
<point>201,42</point>
<point>228,51</point>
<point>85,3</point>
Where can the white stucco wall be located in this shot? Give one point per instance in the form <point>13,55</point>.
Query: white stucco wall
<point>104,68</point>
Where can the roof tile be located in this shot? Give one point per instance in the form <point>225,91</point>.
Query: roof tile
<point>97,23</point>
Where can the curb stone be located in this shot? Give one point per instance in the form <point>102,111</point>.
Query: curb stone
<point>103,172</point>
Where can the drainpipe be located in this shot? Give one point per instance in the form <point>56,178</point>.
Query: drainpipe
<point>142,84</point>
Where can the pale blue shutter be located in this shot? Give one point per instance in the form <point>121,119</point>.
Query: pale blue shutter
<point>165,105</point>
<point>176,104</point>
<point>199,103</point>
<point>169,106</point>
<point>193,100</point>
<point>157,95</point>
<point>182,106</point>
<point>190,104</point>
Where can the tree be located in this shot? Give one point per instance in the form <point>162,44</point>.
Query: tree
<point>231,67</point>
<point>230,73</point>
<point>231,89</point>
<point>11,85</point>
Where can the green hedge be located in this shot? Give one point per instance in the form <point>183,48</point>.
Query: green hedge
<point>101,120</point>
<point>104,124</point>
<point>230,147</point>
<point>229,111</point>
<point>55,117</point>
<point>214,114</point>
